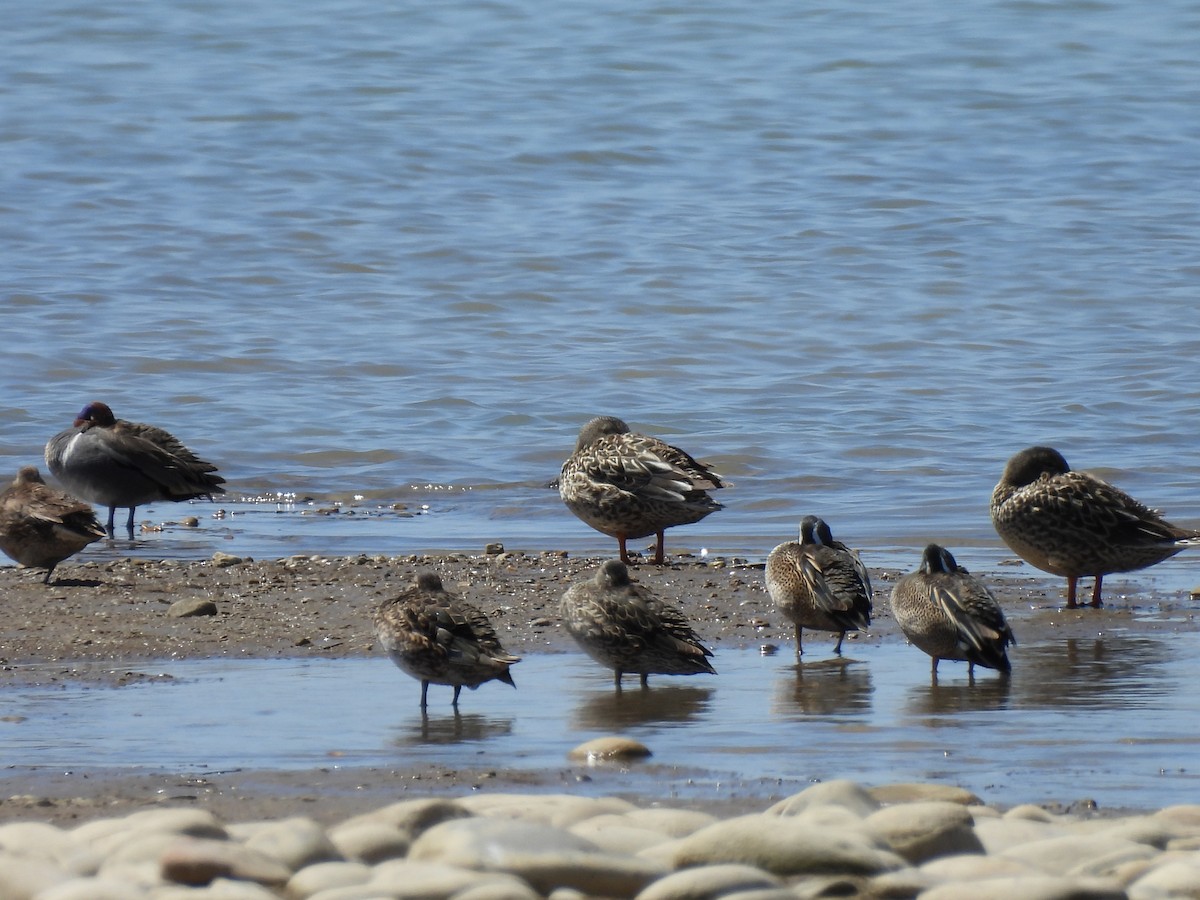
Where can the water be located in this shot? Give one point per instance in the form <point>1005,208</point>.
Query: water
<point>854,256</point>
<point>365,253</point>
<point>762,724</point>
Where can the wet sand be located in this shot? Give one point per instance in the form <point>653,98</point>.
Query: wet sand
<point>99,620</point>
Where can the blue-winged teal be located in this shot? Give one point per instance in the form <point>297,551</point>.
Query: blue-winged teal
<point>623,626</point>
<point>41,526</point>
<point>439,638</point>
<point>630,486</point>
<point>948,613</point>
<point>819,583</point>
<point>112,462</point>
<point>1075,525</point>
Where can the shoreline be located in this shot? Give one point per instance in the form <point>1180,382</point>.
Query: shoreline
<point>106,618</point>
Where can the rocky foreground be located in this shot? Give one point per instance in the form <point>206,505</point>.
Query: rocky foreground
<point>835,839</point>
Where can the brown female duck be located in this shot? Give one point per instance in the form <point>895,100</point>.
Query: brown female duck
<point>41,526</point>
<point>630,486</point>
<point>623,626</point>
<point>439,638</point>
<point>1073,524</point>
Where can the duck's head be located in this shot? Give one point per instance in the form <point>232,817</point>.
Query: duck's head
<point>598,428</point>
<point>938,559</point>
<point>95,413</point>
<point>813,530</point>
<point>613,573</point>
<point>1031,464</point>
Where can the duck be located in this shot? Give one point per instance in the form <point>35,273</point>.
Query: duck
<point>820,583</point>
<point>115,463</point>
<point>628,485</point>
<point>948,613</point>
<point>439,638</point>
<point>41,526</point>
<point>621,625</point>
<point>1075,525</point>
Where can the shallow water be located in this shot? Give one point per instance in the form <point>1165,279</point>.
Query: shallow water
<point>1110,719</point>
<point>854,256</point>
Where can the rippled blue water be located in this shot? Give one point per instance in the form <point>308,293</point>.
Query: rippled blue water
<point>855,255</point>
<point>762,726</point>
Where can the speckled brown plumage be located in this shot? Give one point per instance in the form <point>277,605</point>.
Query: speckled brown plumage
<point>623,626</point>
<point>1074,525</point>
<point>41,526</point>
<point>629,486</point>
<point>439,638</point>
<point>819,583</point>
<point>949,614</point>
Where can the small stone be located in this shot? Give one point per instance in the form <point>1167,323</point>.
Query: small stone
<point>24,877</point>
<point>370,842</point>
<point>224,560</point>
<point>493,549</point>
<point>842,793</point>
<point>91,889</point>
<point>1177,879</point>
<point>544,856</point>
<point>1077,854</point>
<point>327,876</point>
<point>675,823</point>
<point>190,522</point>
<point>35,839</point>
<point>911,792</point>
<point>199,861</point>
<point>609,749</point>
<point>706,882</point>
<point>499,889</point>
<point>617,836</point>
<point>923,831</point>
<point>191,607</point>
<point>1036,887</point>
<point>784,845</point>
<point>296,842</point>
<point>411,817</point>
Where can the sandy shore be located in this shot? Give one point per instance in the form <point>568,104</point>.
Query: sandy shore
<point>100,619</point>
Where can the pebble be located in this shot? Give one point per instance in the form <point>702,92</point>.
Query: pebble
<point>834,839</point>
<point>609,749</point>
<point>191,606</point>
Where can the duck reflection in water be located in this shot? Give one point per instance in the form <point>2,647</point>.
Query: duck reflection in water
<point>674,704</point>
<point>454,728</point>
<point>1110,672</point>
<point>827,687</point>
<point>959,697</point>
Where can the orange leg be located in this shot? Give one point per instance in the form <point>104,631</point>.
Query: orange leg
<point>1096,593</point>
<point>624,552</point>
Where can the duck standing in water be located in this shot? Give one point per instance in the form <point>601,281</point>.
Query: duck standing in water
<point>41,526</point>
<point>1075,525</point>
<point>112,462</point>
<point>630,486</point>
<point>439,638</point>
<point>949,614</point>
<point>624,627</point>
<point>819,583</point>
